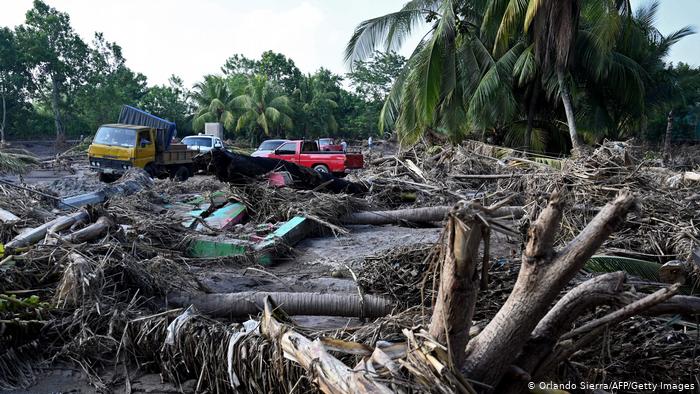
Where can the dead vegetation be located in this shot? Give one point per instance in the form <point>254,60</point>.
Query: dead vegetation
<point>93,289</point>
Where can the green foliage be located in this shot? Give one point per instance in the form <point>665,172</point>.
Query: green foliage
<point>641,268</point>
<point>317,106</point>
<point>14,163</point>
<point>213,100</point>
<point>372,79</point>
<point>485,68</point>
<point>56,57</point>
<point>263,109</point>
<point>170,102</point>
<point>274,66</point>
<point>489,65</point>
<point>12,303</point>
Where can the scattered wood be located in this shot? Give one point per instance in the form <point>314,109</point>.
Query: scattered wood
<point>34,235</point>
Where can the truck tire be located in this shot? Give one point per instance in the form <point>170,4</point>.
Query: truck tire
<point>322,168</point>
<point>151,169</point>
<point>108,178</point>
<point>182,174</point>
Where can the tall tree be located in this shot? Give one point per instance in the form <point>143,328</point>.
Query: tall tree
<point>55,53</point>
<point>109,85</point>
<point>280,70</point>
<point>263,108</point>
<point>171,102</point>
<point>12,76</point>
<point>316,98</point>
<point>239,64</point>
<point>372,79</point>
<point>213,99</point>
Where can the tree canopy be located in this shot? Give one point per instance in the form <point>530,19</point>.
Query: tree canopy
<point>541,75</point>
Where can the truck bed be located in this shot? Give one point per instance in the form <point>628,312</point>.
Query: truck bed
<point>176,154</point>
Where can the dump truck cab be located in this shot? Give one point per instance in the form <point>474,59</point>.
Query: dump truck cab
<point>118,147</point>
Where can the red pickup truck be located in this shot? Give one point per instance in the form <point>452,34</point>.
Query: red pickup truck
<point>307,154</point>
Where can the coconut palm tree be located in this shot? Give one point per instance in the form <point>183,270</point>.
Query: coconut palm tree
<point>452,84</point>
<point>317,103</point>
<point>213,99</point>
<point>262,107</point>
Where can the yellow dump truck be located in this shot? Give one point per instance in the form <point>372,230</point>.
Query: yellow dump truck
<point>139,140</point>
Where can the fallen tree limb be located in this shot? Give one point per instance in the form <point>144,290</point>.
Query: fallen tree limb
<point>34,235</point>
<point>623,313</point>
<point>593,329</point>
<point>417,215</point>
<point>594,292</point>
<point>93,231</point>
<point>251,303</point>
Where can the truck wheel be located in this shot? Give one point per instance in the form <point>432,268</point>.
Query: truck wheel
<point>182,174</point>
<point>108,178</point>
<point>150,169</point>
<point>322,168</point>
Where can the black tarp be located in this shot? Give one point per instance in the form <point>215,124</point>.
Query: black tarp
<point>240,169</point>
<point>166,129</point>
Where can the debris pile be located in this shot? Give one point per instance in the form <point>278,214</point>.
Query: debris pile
<point>118,282</point>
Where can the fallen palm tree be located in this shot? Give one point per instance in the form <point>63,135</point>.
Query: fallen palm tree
<point>416,215</point>
<point>252,302</point>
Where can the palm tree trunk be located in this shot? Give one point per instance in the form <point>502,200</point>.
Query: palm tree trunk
<point>667,138</point>
<point>530,118</point>
<point>576,143</point>
<point>60,134</point>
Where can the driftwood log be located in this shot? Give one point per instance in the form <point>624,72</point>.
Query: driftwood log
<point>36,234</point>
<point>90,232</point>
<point>314,304</point>
<point>417,215</point>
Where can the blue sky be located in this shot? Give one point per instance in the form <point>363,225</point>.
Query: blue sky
<point>193,38</point>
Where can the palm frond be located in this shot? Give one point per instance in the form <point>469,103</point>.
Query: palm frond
<point>390,30</point>
<point>648,270</point>
<point>510,24</point>
<point>14,163</point>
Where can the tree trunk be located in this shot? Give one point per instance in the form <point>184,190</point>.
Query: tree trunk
<point>530,118</point>
<point>4,118</point>
<point>576,143</point>
<point>542,276</point>
<point>459,284</point>
<point>667,138</point>
<point>313,304</point>
<point>417,215</point>
<point>55,97</point>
